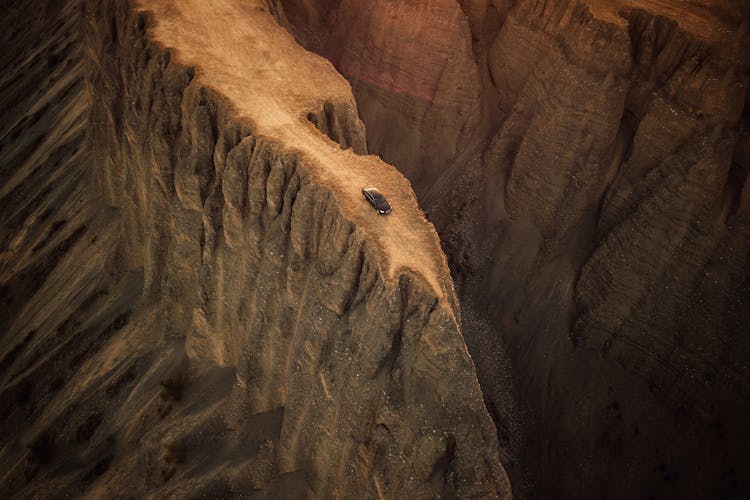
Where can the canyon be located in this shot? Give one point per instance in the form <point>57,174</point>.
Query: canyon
<point>196,300</point>
<point>585,164</point>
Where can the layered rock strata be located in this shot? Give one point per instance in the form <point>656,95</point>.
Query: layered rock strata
<point>595,219</point>
<point>196,299</point>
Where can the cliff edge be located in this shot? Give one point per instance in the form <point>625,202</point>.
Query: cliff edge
<point>196,299</point>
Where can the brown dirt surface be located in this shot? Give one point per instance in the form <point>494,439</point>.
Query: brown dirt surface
<point>228,40</point>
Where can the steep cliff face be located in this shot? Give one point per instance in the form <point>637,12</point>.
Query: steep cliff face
<point>596,225</point>
<point>196,300</point>
<point>411,68</point>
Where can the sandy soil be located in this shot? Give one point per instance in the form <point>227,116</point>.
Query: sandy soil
<point>227,39</point>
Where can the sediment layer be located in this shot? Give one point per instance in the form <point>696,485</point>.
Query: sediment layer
<point>595,218</point>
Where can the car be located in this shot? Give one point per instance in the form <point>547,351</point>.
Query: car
<point>377,200</point>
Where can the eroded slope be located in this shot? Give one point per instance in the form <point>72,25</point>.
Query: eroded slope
<point>587,172</point>
<point>233,319</point>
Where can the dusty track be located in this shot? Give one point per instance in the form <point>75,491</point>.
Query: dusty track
<point>238,49</point>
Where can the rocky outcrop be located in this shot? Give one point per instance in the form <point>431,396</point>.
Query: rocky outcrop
<point>595,225</point>
<point>196,300</point>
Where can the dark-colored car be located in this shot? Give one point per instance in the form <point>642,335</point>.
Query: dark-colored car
<point>377,200</point>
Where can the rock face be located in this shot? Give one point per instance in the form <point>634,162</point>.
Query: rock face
<point>196,299</point>
<point>594,210</point>
<point>411,68</point>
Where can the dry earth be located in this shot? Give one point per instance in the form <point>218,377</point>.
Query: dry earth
<point>196,299</point>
